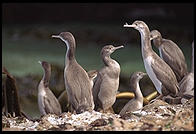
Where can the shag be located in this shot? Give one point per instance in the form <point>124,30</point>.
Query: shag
<point>77,82</point>
<point>159,72</point>
<point>47,101</point>
<point>11,97</point>
<point>136,103</point>
<point>170,53</point>
<point>107,81</point>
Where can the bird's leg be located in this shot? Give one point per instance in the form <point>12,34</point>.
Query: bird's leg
<point>157,98</point>
<point>110,110</point>
<point>100,110</point>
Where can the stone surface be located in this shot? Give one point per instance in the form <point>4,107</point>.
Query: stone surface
<point>157,116</point>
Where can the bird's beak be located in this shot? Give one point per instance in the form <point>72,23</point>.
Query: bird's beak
<point>95,75</point>
<point>118,47</point>
<point>144,74</point>
<point>39,62</point>
<point>151,38</point>
<point>127,25</point>
<point>55,36</point>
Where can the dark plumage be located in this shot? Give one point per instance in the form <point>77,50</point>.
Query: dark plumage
<point>159,72</point>
<point>77,82</point>
<point>47,101</point>
<point>136,103</point>
<point>107,81</point>
<point>12,105</point>
<point>171,54</point>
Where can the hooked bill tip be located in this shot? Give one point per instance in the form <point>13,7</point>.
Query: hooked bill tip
<point>127,25</point>
<point>121,46</point>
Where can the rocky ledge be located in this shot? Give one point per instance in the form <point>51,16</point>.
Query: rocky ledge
<point>157,116</point>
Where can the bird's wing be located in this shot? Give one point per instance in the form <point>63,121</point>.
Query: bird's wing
<point>131,106</point>
<point>167,78</point>
<point>51,104</point>
<point>78,86</point>
<point>174,57</point>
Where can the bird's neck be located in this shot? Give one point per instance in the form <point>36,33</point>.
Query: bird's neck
<point>157,42</point>
<point>46,78</point>
<point>107,60</point>
<point>146,44</point>
<point>70,54</point>
<point>138,93</point>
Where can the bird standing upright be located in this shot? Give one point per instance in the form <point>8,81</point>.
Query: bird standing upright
<point>77,82</point>
<point>170,53</point>
<point>159,72</point>
<point>137,102</point>
<point>47,101</point>
<point>107,81</point>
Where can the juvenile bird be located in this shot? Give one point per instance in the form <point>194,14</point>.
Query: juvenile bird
<point>136,103</point>
<point>107,81</point>
<point>47,101</point>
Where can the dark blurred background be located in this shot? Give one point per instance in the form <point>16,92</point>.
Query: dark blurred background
<point>175,13</point>
<point>27,30</point>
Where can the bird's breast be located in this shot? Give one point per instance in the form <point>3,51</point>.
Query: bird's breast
<point>41,89</point>
<point>148,66</point>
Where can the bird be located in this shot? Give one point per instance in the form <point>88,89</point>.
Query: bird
<point>170,53</point>
<point>77,82</point>
<point>186,86</point>
<point>158,70</point>
<point>12,105</point>
<point>92,74</point>
<point>63,100</point>
<point>187,83</point>
<point>136,103</point>
<point>47,101</point>
<point>107,81</point>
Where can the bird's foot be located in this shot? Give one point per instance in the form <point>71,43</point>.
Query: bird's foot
<point>153,100</point>
<point>172,100</point>
<point>157,98</point>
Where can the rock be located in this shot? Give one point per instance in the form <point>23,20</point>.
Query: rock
<point>98,122</point>
<point>157,116</point>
